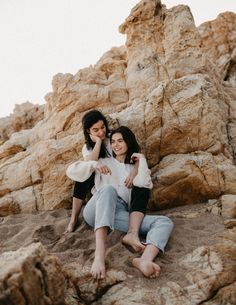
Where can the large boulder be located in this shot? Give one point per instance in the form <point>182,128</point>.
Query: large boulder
<point>174,93</point>
<point>31,276</point>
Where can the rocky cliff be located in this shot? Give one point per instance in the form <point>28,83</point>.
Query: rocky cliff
<point>174,85</point>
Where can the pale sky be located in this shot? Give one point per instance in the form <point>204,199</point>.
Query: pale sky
<point>40,38</point>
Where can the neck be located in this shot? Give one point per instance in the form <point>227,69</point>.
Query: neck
<point>121,158</point>
<point>105,141</point>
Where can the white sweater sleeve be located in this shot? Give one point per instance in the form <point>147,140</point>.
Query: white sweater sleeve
<point>86,151</point>
<point>143,178</point>
<point>81,170</point>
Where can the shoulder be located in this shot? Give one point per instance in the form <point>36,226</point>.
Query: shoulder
<point>85,150</point>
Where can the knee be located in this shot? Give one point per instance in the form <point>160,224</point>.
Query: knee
<point>109,189</point>
<point>164,222</point>
<point>168,222</point>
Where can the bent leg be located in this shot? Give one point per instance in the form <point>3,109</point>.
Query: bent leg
<point>138,205</point>
<point>145,263</point>
<point>76,208</point>
<point>121,216</point>
<point>139,199</point>
<point>100,213</point>
<point>80,191</point>
<point>100,210</point>
<point>132,237</point>
<point>158,230</point>
<point>123,223</point>
<point>98,266</point>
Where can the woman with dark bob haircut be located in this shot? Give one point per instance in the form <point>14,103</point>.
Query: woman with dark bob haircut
<point>111,206</point>
<point>130,140</point>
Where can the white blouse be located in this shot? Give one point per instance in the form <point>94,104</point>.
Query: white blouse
<point>82,170</point>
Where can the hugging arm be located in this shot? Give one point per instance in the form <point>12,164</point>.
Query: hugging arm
<point>143,177</point>
<point>132,175</point>
<point>81,170</point>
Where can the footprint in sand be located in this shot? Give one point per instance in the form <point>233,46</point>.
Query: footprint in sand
<point>45,234</point>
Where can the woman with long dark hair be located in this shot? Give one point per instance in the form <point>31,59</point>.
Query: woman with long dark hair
<point>109,207</point>
<point>97,145</point>
<point>96,135</point>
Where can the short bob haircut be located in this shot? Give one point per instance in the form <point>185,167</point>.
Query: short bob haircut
<point>89,119</point>
<point>130,140</point>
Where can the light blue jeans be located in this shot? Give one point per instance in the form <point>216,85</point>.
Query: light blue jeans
<point>107,209</point>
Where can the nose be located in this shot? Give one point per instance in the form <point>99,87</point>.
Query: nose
<point>101,133</point>
<point>115,145</point>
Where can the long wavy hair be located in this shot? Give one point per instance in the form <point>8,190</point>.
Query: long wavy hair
<point>89,119</point>
<point>130,140</point>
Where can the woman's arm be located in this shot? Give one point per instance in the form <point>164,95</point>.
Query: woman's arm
<point>81,170</point>
<point>143,177</point>
<point>132,175</point>
<point>94,154</point>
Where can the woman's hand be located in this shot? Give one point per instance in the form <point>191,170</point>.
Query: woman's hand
<point>130,178</point>
<point>136,157</point>
<point>103,169</point>
<point>95,139</point>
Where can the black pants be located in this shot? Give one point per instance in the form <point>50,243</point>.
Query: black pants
<point>81,188</point>
<point>139,195</point>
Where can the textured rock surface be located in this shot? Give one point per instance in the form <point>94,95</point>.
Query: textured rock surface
<point>90,290</point>
<point>199,265</point>
<point>219,42</point>
<point>24,116</point>
<point>175,88</point>
<point>30,276</point>
<point>178,94</point>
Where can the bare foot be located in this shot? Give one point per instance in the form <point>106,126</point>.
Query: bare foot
<point>148,269</point>
<point>71,227</point>
<point>98,268</point>
<point>132,240</point>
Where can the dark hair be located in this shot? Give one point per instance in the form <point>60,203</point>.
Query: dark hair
<point>89,119</point>
<point>130,140</point>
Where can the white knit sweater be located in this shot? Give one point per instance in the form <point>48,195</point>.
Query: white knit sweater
<point>82,170</point>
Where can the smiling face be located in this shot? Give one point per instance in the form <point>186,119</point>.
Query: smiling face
<point>98,130</point>
<point>119,147</point>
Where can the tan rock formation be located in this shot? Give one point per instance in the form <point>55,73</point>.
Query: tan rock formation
<point>225,206</point>
<point>219,42</point>
<point>90,290</point>
<point>31,276</point>
<point>24,116</point>
<point>174,85</point>
<point>175,91</point>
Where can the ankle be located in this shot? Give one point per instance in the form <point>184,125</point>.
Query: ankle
<point>133,233</point>
<point>74,219</point>
<point>99,257</point>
